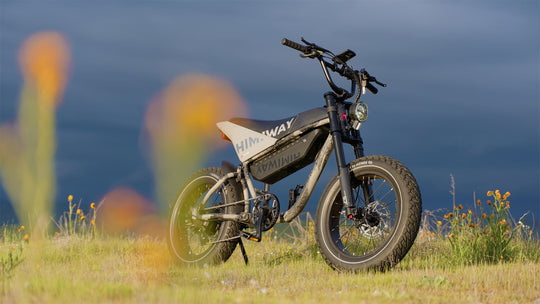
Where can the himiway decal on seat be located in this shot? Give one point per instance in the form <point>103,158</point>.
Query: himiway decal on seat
<point>279,129</point>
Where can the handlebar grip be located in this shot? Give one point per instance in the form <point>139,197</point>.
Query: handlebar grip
<point>294,45</point>
<point>371,88</point>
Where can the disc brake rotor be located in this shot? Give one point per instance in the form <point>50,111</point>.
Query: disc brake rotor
<point>375,225</point>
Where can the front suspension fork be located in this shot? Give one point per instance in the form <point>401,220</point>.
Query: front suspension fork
<point>343,169</point>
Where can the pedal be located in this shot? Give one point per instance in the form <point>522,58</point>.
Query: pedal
<point>250,236</point>
<point>293,195</point>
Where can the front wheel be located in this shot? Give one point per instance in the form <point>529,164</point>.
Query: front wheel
<point>195,241</point>
<point>388,208</point>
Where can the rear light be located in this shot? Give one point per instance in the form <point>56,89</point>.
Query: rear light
<point>225,137</point>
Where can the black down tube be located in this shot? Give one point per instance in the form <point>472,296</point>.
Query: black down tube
<point>335,130</point>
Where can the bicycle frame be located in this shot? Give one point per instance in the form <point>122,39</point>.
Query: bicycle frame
<point>334,141</point>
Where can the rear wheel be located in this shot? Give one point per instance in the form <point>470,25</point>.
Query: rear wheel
<point>196,241</point>
<point>379,235</point>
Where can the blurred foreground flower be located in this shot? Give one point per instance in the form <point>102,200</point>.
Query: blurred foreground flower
<point>28,146</point>
<point>124,210</point>
<point>181,124</point>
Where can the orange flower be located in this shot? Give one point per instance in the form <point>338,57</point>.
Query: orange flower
<point>79,211</point>
<point>70,198</point>
<point>470,211</point>
<point>506,195</point>
<point>44,59</point>
<point>483,215</point>
<point>479,203</point>
<point>460,207</point>
<point>490,193</point>
<point>82,217</point>
<point>93,206</point>
<point>439,223</point>
<point>26,237</point>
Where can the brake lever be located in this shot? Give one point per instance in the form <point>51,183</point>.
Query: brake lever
<point>370,78</point>
<point>378,82</point>
<point>313,54</point>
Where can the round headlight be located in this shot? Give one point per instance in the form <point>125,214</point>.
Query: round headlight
<point>359,111</point>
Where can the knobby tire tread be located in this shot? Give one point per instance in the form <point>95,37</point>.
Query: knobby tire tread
<point>406,240</point>
<point>222,251</point>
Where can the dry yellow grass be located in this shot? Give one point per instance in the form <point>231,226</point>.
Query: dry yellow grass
<point>139,270</point>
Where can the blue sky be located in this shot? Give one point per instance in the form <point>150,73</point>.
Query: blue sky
<point>463,95</point>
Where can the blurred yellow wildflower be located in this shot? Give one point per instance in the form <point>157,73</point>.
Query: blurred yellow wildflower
<point>93,206</point>
<point>27,150</point>
<point>181,125</point>
<point>439,223</point>
<point>490,193</point>
<point>44,59</point>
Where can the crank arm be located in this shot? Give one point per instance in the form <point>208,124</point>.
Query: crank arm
<point>223,217</point>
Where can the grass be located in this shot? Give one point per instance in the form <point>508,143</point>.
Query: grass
<point>284,268</point>
<point>452,260</point>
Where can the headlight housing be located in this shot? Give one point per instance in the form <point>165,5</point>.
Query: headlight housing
<point>358,113</point>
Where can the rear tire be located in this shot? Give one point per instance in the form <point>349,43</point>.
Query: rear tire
<point>198,242</point>
<point>381,239</point>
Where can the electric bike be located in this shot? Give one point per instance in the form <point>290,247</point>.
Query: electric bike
<point>368,215</point>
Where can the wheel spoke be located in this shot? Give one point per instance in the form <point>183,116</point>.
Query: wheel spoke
<point>364,235</point>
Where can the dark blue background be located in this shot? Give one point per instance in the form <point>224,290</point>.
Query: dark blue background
<point>463,94</point>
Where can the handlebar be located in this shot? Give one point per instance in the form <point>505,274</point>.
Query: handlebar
<point>297,46</point>
<point>361,78</point>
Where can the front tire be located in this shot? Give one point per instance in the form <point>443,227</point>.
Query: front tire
<point>197,242</point>
<point>383,232</point>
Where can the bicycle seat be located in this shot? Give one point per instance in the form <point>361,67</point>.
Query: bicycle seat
<point>282,127</point>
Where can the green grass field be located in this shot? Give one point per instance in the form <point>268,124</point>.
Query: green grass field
<point>284,268</point>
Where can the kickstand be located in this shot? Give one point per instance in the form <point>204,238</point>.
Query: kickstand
<point>244,254</point>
